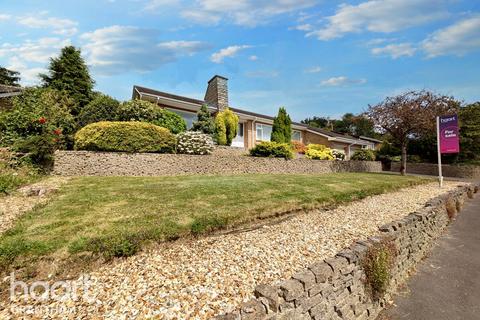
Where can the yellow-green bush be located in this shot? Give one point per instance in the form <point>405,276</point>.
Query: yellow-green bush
<point>272,149</point>
<point>129,136</point>
<point>226,124</point>
<point>319,152</point>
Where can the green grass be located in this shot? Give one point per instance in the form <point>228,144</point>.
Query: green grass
<point>13,178</point>
<point>116,216</point>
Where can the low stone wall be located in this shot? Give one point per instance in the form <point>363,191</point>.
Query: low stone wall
<point>467,171</point>
<point>86,163</point>
<point>335,288</point>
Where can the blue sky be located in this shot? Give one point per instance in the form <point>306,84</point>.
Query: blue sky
<point>321,58</point>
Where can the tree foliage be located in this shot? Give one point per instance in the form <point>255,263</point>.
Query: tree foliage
<point>101,108</point>
<point>140,110</point>
<point>469,117</point>
<point>409,114</point>
<point>282,127</point>
<point>68,72</point>
<point>205,122</point>
<point>9,77</point>
<point>354,125</point>
<point>226,124</point>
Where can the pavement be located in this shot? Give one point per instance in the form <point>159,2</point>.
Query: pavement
<point>446,285</point>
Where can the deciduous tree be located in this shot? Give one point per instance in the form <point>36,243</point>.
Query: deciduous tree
<point>410,114</point>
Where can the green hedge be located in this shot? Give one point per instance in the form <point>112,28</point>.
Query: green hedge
<point>364,155</point>
<point>125,137</point>
<point>144,111</point>
<point>272,150</point>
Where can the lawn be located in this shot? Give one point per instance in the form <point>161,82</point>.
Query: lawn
<point>116,216</point>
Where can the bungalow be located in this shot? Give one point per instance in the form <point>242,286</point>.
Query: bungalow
<point>253,127</point>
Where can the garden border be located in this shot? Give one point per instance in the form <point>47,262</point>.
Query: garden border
<point>338,287</point>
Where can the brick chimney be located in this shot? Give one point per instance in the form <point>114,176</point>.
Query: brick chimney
<point>217,92</point>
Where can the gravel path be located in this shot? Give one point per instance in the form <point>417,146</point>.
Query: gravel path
<point>197,279</point>
<point>25,199</point>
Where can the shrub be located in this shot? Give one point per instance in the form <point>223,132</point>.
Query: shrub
<point>272,150</point>
<point>226,124</point>
<point>101,108</point>
<point>282,127</point>
<point>378,265</point>
<point>299,147</point>
<point>338,155</point>
<point>205,122</point>
<point>125,137</point>
<point>364,155</point>
<point>144,111</point>
<point>319,152</point>
<point>34,112</point>
<point>192,142</point>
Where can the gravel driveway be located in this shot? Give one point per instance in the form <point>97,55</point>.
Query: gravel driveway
<point>197,279</point>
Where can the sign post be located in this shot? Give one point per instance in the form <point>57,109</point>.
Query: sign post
<point>447,139</point>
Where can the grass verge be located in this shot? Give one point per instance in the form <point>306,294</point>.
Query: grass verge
<point>116,216</point>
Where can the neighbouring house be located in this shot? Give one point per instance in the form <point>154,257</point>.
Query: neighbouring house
<point>253,127</point>
<point>6,92</point>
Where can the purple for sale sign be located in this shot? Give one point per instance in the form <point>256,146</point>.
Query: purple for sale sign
<point>449,135</point>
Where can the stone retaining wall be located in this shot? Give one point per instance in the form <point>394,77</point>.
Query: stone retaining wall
<point>86,163</point>
<point>335,288</point>
<point>466,171</point>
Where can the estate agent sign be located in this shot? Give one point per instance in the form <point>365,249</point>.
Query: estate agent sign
<point>448,139</point>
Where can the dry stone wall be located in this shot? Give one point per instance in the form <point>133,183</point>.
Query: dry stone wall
<point>336,288</point>
<point>464,171</point>
<point>223,161</point>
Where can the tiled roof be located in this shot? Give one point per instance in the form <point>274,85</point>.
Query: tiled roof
<point>254,114</point>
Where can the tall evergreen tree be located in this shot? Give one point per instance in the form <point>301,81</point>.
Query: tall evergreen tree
<point>282,127</point>
<point>205,122</point>
<point>9,77</point>
<point>70,74</point>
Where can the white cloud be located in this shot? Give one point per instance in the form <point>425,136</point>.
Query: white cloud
<point>253,58</point>
<point>228,52</point>
<point>157,4</point>
<point>396,50</point>
<point>341,81</point>
<point>31,57</point>
<point>302,27</point>
<point>4,17</point>
<point>119,49</point>
<point>59,26</point>
<point>314,69</point>
<point>381,16</point>
<point>457,39</point>
<point>242,12</point>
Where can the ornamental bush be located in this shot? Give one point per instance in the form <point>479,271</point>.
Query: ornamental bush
<point>299,147</point>
<point>226,124</point>
<point>272,150</point>
<point>339,155</point>
<point>129,136</point>
<point>364,155</point>
<point>319,152</point>
<point>194,142</point>
<point>144,111</point>
<point>101,108</point>
<point>205,122</point>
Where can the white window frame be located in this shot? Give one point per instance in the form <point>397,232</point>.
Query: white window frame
<point>261,126</point>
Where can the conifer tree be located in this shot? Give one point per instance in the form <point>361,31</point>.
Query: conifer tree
<point>69,73</point>
<point>9,77</point>
<point>282,127</point>
<point>205,122</point>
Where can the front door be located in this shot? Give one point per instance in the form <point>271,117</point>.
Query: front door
<point>239,141</point>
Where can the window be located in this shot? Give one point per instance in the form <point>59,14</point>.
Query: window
<point>296,135</point>
<point>189,117</point>
<point>264,132</point>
